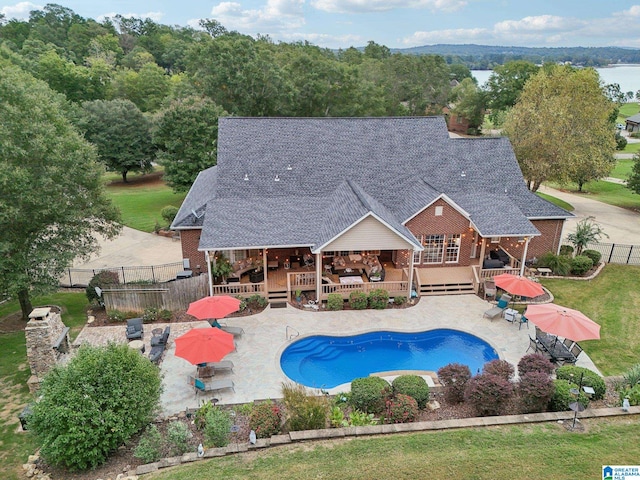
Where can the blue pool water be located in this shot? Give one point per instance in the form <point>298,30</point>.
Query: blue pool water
<point>326,362</point>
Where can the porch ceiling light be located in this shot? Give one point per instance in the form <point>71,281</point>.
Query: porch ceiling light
<point>277,179</point>
<point>289,167</point>
<point>246,177</point>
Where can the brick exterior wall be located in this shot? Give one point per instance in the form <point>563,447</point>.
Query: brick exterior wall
<point>190,239</point>
<point>551,231</point>
<point>450,222</point>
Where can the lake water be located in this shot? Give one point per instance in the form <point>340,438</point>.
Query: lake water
<point>627,76</point>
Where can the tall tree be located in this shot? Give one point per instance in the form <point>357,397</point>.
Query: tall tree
<point>52,200</point>
<point>186,133</point>
<point>505,85</point>
<point>633,182</point>
<point>469,102</point>
<point>121,133</point>
<point>561,125</point>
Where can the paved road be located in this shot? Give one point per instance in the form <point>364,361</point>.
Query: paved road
<point>622,226</point>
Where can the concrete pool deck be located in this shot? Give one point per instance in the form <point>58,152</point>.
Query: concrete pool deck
<point>257,373</point>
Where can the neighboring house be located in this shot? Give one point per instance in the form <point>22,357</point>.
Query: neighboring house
<point>633,123</point>
<point>333,205</point>
<point>456,123</point>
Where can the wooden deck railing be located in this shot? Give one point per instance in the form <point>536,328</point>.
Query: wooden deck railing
<point>301,281</point>
<point>394,288</point>
<point>242,289</point>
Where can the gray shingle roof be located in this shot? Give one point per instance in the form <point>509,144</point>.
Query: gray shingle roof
<point>333,171</point>
<point>634,118</point>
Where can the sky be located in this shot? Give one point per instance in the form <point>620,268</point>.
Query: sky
<point>394,23</point>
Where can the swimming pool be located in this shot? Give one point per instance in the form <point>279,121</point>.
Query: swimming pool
<point>325,362</point>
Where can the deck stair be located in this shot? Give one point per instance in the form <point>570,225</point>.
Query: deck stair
<point>445,281</point>
<point>279,295</point>
<point>454,288</point>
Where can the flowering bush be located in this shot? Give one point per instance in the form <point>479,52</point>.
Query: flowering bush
<point>534,362</point>
<point>378,299</point>
<point>488,393</point>
<point>265,419</point>
<point>414,386</point>
<point>454,377</point>
<point>401,409</point>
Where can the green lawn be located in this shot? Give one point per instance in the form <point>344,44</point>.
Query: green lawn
<point>627,110</point>
<point>622,169</point>
<point>141,201</point>
<point>496,453</point>
<point>607,192</point>
<point>631,148</point>
<point>14,373</point>
<point>613,301</point>
<point>556,201</point>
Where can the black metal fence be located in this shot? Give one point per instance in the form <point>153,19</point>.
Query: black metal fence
<point>80,277</point>
<point>617,253</point>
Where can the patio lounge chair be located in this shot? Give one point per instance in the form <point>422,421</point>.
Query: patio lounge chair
<point>489,289</point>
<point>135,330</point>
<point>158,344</point>
<point>211,368</point>
<point>235,331</point>
<point>499,308</point>
<point>211,386</point>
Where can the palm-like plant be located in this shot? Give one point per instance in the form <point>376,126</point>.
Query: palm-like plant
<point>587,231</point>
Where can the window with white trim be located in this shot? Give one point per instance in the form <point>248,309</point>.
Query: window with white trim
<point>453,248</point>
<point>416,255</point>
<point>433,249</point>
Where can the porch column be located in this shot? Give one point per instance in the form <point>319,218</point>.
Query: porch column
<point>265,263</point>
<point>319,268</point>
<point>410,274</point>
<point>207,259</point>
<point>482,250</point>
<point>524,255</point>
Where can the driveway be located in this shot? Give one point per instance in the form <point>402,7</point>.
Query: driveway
<point>622,226</point>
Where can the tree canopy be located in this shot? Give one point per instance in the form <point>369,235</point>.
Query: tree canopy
<point>52,200</point>
<point>561,127</point>
<point>505,85</point>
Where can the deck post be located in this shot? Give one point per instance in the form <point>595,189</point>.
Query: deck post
<point>207,259</point>
<point>410,276</point>
<point>524,255</point>
<point>265,281</point>
<point>319,268</point>
<point>482,250</point>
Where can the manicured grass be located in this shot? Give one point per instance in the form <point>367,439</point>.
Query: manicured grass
<point>631,148</point>
<point>607,192</point>
<point>497,453</point>
<point>556,201</point>
<point>627,110</point>
<point>613,301</point>
<point>622,169</point>
<point>141,202</point>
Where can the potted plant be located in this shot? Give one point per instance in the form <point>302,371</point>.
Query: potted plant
<point>375,276</point>
<point>221,267</point>
<point>298,295</point>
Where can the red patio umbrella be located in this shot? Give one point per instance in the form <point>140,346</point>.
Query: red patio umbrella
<point>563,322</point>
<point>516,285</point>
<point>203,345</point>
<point>217,306</point>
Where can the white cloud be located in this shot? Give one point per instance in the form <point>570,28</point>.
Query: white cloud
<point>276,15</point>
<point>20,10</point>
<point>324,40</point>
<point>634,11</point>
<point>364,6</point>
<point>541,23</point>
<point>456,35</point>
<point>155,16</point>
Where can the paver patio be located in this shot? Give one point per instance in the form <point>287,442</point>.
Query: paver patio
<point>257,373</point>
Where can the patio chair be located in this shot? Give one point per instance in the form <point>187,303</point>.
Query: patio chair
<point>135,329</point>
<point>235,331</point>
<point>211,386</point>
<point>161,339</point>
<point>576,350</point>
<point>533,345</point>
<point>489,289</point>
<point>568,343</point>
<point>523,320</point>
<point>224,365</point>
<point>308,261</point>
<point>499,308</point>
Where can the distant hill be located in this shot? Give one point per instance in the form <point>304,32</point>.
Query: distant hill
<point>487,56</point>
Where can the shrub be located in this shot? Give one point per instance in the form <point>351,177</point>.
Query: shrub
<point>401,409</point>
<point>378,299</point>
<point>257,301</point>
<point>336,418</point>
<point>535,362</point>
<point>200,417</point>
<point>566,250</point>
<point>358,300</point>
<point>178,438</point>
<point>101,279</point>
<point>632,393</point>
<point>581,265</point>
<point>305,411</point>
<point>265,419</point>
<point>562,396</point>
<point>169,213</point>
<point>414,386</point>
<point>361,419</point>
<point>334,301</point>
<point>454,377</point>
<point>535,389</point>
<point>621,142</point>
<point>243,303</point>
<point>589,379</point>
<point>501,368</point>
<point>594,255</point>
<point>115,316</point>
<point>488,393</point>
<point>106,394</point>
<point>632,376</point>
<point>559,264</point>
<point>217,427</point>
<point>149,448</point>
<point>400,300</point>
<point>368,394</point>
<point>150,315</point>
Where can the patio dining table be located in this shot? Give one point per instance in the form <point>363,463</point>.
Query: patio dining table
<point>557,350</point>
